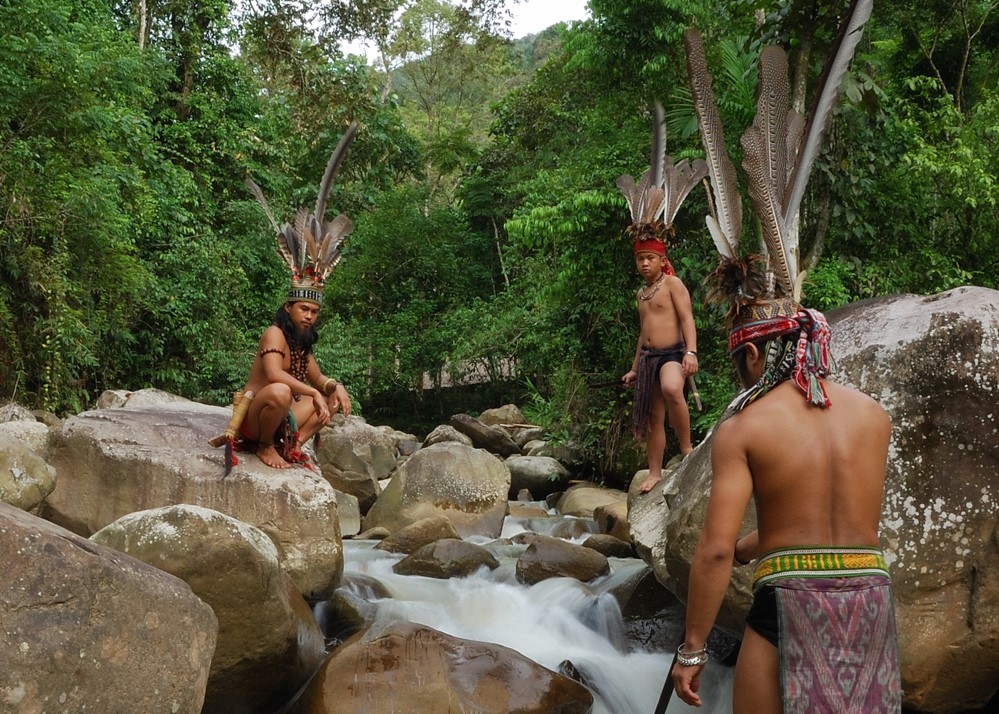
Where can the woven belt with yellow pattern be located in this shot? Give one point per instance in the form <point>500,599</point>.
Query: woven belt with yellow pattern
<point>818,562</point>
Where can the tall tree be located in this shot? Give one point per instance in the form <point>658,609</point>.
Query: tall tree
<point>72,124</point>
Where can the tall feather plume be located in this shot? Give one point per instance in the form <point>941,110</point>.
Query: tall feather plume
<point>337,231</point>
<point>259,195</point>
<point>644,198</point>
<point>626,184</point>
<point>663,188</point>
<point>766,162</point>
<point>820,113</point>
<point>727,225</point>
<point>679,181</point>
<point>302,253</point>
<point>289,247</point>
<point>332,167</point>
<point>311,247</point>
<point>657,163</point>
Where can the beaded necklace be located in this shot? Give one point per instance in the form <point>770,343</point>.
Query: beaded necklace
<point>299,367</point>
<point>655,288</point>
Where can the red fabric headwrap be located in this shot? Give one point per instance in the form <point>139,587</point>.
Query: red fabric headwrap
<point>655,246</point>
<point>757,329</point>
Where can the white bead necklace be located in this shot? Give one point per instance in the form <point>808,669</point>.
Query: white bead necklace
<point>655,288</point>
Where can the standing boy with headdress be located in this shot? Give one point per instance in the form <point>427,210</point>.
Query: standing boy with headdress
<point>821,634</point>
<point>287,398</point>
<point>666,353</point>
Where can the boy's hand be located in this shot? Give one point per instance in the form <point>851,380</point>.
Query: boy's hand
<point>689,365</point>
<point>629,378</point>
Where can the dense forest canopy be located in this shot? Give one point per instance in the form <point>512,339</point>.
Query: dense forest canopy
<point>488,227</point>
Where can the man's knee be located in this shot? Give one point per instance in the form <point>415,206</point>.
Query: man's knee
<point>278,394</point>
<point>673,395</point>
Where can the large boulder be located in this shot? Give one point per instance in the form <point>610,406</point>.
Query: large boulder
<point>32,435</point>
<point>348,513</point>
<point>468,486</point>
<point>370,445</point>
<point>653,616</point>
<point>359,485</point>
<point>612,519</point>
<point>25,479</point>
<point>405,668</point>
<point>268,642</point>
<point>540,475</point>
<point>416,535</point>
<point>112,462</point>
<point>583,499</point>
<point>506,414</point>
<point>484,436</point>
<point>609,545</point>
<point>446,432</point>
<point>86,628</point>
<point>446,558</point>
<point>548,557</point>
<point>12,411</point>
<point>523,435</point>
<point>344,615</point>
<point>933,363</point>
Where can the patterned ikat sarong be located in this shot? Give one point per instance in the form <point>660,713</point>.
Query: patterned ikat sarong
<point>838,646</point>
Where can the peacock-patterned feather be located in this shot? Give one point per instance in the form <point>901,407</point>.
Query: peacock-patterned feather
<point>765,161</point>
<point>726,226</point>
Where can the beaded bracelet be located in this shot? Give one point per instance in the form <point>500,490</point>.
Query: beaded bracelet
<point>697,658</point>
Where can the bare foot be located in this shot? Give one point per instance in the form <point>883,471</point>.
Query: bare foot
<point>269,455</point>
<point>649,483</point>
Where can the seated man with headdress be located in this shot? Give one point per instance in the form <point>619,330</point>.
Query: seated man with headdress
<point>287,398</point>
<point>292,398</point>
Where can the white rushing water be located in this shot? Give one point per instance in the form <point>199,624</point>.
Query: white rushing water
<point>555,620</point>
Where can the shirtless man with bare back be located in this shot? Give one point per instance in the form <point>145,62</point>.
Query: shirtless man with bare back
<point>666,354</point>
<point>816,470</point>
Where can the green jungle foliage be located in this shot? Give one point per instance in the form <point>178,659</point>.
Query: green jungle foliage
<point>488,230</point>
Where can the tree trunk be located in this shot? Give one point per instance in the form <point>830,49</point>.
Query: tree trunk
<point>141,12</point>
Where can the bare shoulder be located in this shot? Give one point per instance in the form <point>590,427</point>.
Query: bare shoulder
<point>273,338</point>
<point>860,405</point>
<point>731,433</point>
<point>674,283</point>
<point>678,293</point>
<point>853,396</point>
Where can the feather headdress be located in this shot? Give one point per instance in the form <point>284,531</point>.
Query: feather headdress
<point>780,148</point>
<point>655,200</point>
<point>311,246</point>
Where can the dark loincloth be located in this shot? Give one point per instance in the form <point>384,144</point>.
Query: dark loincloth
<point>650,361</point>
<point>837,638</point>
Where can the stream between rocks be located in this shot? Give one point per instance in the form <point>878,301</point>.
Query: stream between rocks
<point>551,622</point>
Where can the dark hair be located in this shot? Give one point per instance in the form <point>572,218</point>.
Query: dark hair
<point>297,339</point>
<point>739,355</point>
